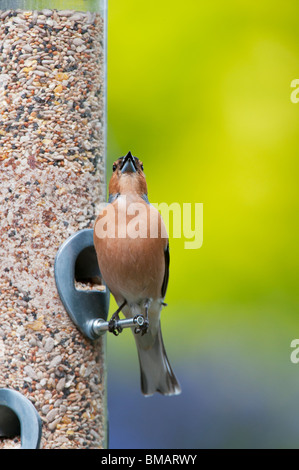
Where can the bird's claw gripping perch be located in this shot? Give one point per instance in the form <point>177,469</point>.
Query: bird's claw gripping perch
<point>141,323</point>
<point>114,327</point>
<point>143,327</point>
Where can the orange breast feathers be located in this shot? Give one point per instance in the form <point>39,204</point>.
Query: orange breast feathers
<point>130,240</point>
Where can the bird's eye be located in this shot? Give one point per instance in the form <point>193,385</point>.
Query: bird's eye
<point>141,166</point>
<point>114,167</point>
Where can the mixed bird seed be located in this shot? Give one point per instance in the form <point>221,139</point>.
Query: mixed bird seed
<point>52,143</point>
<point>51,87</point>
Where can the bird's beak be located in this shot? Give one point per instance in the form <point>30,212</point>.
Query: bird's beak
<point>128,165</point>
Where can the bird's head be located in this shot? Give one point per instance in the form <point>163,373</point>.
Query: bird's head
<point>128,177</point>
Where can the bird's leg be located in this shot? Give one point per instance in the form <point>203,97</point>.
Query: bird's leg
<point>113,328</point>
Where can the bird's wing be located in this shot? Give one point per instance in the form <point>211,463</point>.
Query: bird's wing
<point>166,274</point>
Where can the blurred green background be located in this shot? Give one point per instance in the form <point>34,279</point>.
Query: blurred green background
<point>200,92</point>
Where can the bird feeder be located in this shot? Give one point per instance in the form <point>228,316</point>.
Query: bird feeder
<point>52,174</point>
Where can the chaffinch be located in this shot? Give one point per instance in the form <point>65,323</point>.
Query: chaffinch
<point>132,248</point>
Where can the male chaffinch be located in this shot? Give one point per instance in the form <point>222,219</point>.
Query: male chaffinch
<point>132,248</point>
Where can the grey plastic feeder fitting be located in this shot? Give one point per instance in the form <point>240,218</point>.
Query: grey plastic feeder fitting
<point>18,417</point>
<point>76,260</point>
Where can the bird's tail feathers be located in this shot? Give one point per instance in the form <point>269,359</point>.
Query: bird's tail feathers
<point>155,370</point>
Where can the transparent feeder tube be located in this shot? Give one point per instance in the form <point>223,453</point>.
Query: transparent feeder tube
<point>52,177</point>
<point>57,53</point>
